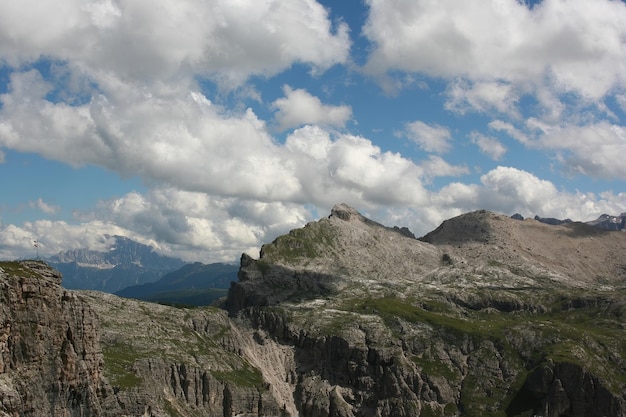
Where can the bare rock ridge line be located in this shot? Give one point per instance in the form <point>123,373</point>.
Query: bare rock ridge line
<point>345,317</point>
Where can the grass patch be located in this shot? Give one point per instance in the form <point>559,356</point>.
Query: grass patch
<point>435,367</point>
<point>308,242</point>
<point>248,376</point>
<point>15,268</point>
<point>118,362</point>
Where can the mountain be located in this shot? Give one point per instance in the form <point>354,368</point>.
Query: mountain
<point>345,317</point>
<point>194,284</point>
<point>609,222</point>
<point>605,221</point>
<point>126,263</point>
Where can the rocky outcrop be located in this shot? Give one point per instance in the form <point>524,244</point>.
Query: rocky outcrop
<point>50,356</point>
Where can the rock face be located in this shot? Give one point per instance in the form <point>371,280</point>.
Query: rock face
<point>50,357</point>
<point>485,316</point>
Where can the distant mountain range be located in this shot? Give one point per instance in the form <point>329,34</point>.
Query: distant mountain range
<point>126,263</point>
<point>134,270</point>
<point>194,284</point>
<point>609,222</point>
<point>605,221</point>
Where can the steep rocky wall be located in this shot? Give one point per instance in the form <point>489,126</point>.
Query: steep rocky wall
<point>189,362</point>
<point>389,366</point>
<point>435,374</point>
<point>50,358</point>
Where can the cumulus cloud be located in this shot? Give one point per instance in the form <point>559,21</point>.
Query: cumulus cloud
<point>591,149</point>
<point>435,166</point>
<point>505,190</point>
<point>199,227</point>
<point>431,138</point>
<point>573,45</point>
<point>351,169</point>
<point>141,40</point>
<point>595,149</point>
<point>120,85</point>
<point>488,145</point>
<point>510,190</point>
<point>178,137</point>
<point>299,107</point>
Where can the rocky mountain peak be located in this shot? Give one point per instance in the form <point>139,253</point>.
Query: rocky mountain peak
<point>477,226</point>
<point>346,213</point>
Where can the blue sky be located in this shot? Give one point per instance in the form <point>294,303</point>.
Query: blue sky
<point>207,128</point>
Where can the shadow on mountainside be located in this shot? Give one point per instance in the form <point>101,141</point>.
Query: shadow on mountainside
<point>579,230</point>
<point>471,227</point>
<point>263,284</point>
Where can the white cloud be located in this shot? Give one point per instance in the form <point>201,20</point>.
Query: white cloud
<point>299,107</point>
<point>504,190</point>
<point>47,208</point>
<point>592,149</point>
<point>351,169</point>
<point>574,45</point>
<point>431,138</point>
<point>511,186</point>
<point>482,97</point>
<point>509,190</point>
<point>596,149</point>
<point>199,227</point>
<point>141,40</point>
<point>185,141</point>
<point>488,145</point>
<point>515,133</point>
<point>435,166</point>
<point>164,134</point>
<point>55,236</point>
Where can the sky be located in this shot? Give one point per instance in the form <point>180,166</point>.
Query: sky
<point>206,128</point>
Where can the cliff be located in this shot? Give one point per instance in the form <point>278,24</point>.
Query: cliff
<point>485,316</point>
<point>50,356</point>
